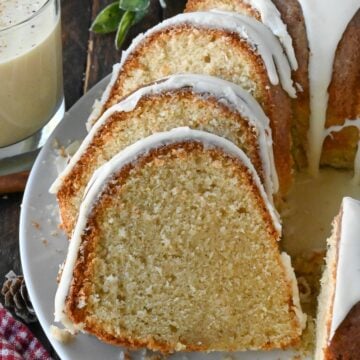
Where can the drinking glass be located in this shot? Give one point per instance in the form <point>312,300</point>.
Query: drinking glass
<point>31,79</point>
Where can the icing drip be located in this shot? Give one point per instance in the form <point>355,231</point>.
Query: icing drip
<point>129,155</point>
<point>271,17</point>
<point>337,128</point>
<point>326,21</point>
<point>347,292</point>
<point>225,91</point>
<point>268,47</point>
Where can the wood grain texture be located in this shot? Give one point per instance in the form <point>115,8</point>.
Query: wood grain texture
<point>75,24</point>
<point>101,49</point>
<point>173,7</point>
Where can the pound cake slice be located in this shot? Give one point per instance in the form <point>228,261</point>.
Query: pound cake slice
<point>338,321</point>
<point>197,101</point>
<point>175,248</point>
<point>226,45</point>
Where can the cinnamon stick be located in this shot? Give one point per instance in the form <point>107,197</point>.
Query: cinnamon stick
<point>13,183</point>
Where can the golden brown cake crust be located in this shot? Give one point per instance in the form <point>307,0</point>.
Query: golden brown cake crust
<point>344,99</point>
<point>345,343</point>
<point>291,14</point>
<point>80,285</point>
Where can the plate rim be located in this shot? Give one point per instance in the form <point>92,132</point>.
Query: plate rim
<point>24,213</point>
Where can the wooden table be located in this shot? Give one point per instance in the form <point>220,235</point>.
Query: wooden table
<point>87,59</point>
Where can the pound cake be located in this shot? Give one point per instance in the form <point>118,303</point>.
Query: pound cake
<point>175,248</point>
<point>338,322</point>
<point>328,58</point>
<point>227,45</point>
<point>197,101</point>
<point>170,200</point>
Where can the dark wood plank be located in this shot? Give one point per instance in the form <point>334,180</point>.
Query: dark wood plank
<point>76,21</point>
<point>173,7</point>
<point>9,228</point>
<point>102,53</point>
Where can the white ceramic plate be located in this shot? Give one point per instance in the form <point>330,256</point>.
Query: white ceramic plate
<point>43,246</point>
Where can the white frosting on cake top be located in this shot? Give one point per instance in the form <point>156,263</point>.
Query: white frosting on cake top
<point>259,36</point>
<point>271,17</point>
<point>105,173</point>
<point>326,22</point>
<point>225,91</point>
<point>347,290</point>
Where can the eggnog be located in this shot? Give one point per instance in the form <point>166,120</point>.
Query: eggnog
<point>30,67</point>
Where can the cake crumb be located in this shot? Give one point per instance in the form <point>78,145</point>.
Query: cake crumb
<point>150,355</point>
<point>54,233</point>
<point>124,355</point>
<point>61,335</point>
<point>45,242</point>
<point>179,346</point>
<point>62,151</point>
<point>55,143</point>
<point>36,225</point>
<point>60,271</point>
<point>227,357</point>
<point>154,357</point>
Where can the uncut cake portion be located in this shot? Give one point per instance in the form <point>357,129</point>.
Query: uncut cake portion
<point>197,101</point>
<point>226,45</point>
<point>325,37</point>
<point>338,321</point>
<point>176,248</point>
<point>285,19</point>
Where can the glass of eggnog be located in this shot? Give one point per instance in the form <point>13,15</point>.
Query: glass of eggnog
<point>31,85</point>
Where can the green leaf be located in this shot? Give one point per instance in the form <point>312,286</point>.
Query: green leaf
<point>134,5</point>
<point>126,22</point>
<point>108,19</point>
<point>139,16</point>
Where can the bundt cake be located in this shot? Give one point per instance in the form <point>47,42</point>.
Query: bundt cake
<point>175,248</point>
<point>170,200</point>
<point>338,323</point>
<point>326,39</point>
<point>200,102</point>
<point>227,45</point>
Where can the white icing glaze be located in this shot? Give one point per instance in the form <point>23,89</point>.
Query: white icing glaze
<point>269,48</point>
<point>271,17</point>
<point>336,128</point>
<point>225,91</point>
<point>98,104</point>
<point>254,32</point>
<point>347,292</point>
<point>129,155</point>
<point>326,21</point>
